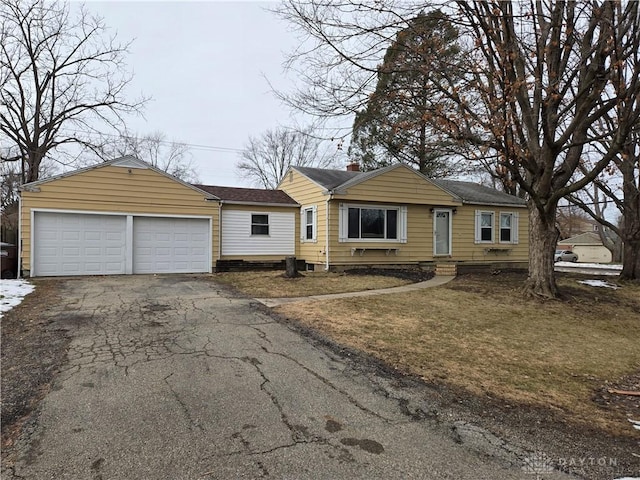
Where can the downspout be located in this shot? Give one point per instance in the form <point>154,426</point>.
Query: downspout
<point>19,272</point>
<point>220,230</point>
<point>326,228</point>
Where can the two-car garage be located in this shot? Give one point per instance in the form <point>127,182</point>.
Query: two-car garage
<point>78,243</point>
<point>119,217</point>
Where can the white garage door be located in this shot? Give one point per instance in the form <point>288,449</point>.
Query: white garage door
<point>78,244</point>
<point>171,245</point>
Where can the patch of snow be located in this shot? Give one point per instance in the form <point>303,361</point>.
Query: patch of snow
<point>635,423</point>
<point>12,292</point>
<point>599,283</point>
<point>627,478</point>
<point>604,266</point>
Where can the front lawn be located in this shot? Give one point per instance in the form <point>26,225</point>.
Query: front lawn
<point>478,333</point>
<point>273,284</point>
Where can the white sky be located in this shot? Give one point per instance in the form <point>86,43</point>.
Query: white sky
<point>204,64</point>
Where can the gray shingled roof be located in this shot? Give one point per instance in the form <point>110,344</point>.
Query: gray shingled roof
<point>249,195</point>
<point>478,194</point>
<point>468,192</point>
<point>327,178</point>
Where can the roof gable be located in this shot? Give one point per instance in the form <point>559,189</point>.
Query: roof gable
<point>587,238</point>
<point>128,162</point>
<point>249,195</point>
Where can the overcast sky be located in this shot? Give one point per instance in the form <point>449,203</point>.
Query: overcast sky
<point>204,64</point>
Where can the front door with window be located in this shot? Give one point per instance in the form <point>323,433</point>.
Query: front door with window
<point>442,232</point>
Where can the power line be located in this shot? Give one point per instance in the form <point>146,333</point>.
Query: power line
<point>195,146</point>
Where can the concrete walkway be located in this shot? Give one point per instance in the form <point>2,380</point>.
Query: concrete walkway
<point>433,282</point>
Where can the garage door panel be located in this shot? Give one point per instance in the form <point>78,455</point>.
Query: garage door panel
<point>170,245</point>
<point>78,244</point>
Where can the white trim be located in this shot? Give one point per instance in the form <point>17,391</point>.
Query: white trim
<point>19,272</point>
<point>129,231</point>
<point>31,244</point>
<point>326,233</point>
<point>219,231</point>
<point>128,240</point>
<point>450,228</point>
<point>123,214</point>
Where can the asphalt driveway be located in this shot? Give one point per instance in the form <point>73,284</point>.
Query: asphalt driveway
<point>169,377</point>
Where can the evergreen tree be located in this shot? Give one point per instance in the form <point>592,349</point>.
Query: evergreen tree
<point>394,126</point>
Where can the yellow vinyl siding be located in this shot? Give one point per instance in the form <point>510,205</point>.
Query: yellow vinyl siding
<point>399,185</point>
<point>465,248</point>
<point>307,194</point>
<point>118,190</point>
<point>419,245</point>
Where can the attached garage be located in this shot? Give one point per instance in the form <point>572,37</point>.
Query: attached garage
<point>119,217</point>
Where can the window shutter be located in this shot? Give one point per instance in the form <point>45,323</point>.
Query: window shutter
<point>515,226</point>
<point>315,223</point>
<point>477,229</point>
<point>303,226</point>
<point>403,224</point>
<point>343,226</point>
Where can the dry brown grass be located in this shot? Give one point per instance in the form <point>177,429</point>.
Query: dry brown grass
<point>275,284</point>
<point>479,333</point>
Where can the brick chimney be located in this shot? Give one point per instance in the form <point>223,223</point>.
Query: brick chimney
<point>353,167</point>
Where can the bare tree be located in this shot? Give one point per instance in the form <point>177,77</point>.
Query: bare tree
<point>265,159</point>
<point>62,78</point>
<point>175,158</point>
<point>539,75</point>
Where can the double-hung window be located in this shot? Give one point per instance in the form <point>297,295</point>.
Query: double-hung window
<point>308,227</point>
<point>484,227</point>
<point>259,224</point>
<point>369,223</point>
<point>508,227</point>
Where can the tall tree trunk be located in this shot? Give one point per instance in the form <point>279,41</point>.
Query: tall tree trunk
<point>543,237</point>
<point>630,231</point>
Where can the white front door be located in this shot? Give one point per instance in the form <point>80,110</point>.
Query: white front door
<point>441,232</point>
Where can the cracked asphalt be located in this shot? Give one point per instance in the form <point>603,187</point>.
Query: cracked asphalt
<point>172,377</point>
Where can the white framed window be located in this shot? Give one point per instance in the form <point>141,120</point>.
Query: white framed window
<point>309,224</point>
<point>484,226</point>
<point>508,227</point>
<point>372,223</point>
<point>260,224</point>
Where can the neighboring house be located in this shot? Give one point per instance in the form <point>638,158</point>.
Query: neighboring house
<point>588,247</point>
<point>125,216</point>
<point>395,215</point>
